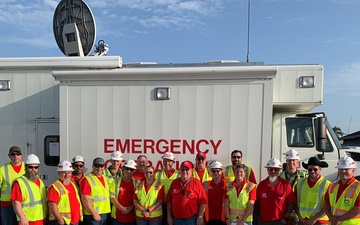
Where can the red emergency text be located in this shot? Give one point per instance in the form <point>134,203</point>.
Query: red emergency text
<point>150,146</point>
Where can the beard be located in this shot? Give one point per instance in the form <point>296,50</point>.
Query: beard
<point>272,179</point>
<point>31,176</point>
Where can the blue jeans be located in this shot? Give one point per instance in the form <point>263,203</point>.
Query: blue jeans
<point>8,216</point>
<point>148,222</point>
<point>188,221</point>
<point>116,222</point>
<point>88,219</point>
<point>55,222</point>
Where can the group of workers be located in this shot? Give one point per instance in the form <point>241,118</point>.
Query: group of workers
<point>198,193</point>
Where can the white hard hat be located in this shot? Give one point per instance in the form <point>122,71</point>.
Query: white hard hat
<point>216,165</point>
<point>78,158</point>
<point>130,164</point>
<point>169,156</point>
<point>274,163</point>
<point>292,154</point>
<point>346,163</point>
<point>64,166</point>
<point>116,155</point>
<point>32,159</point>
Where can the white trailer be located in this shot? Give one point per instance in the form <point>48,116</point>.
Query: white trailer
<point>102,106</point>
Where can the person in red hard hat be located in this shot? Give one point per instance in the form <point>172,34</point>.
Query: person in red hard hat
<point>186,199</point>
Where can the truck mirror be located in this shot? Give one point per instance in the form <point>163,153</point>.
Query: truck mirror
<point>321,135</point>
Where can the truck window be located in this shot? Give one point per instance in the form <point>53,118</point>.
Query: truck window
<point>52,150</point>
<point>300,132</point>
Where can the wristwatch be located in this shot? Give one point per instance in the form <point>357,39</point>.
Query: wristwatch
<point>200,217</point>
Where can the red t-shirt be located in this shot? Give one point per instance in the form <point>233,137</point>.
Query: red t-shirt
<point>139,175</point>
<point>200,173</point>
<point>273,201</point>
<point>17,169</point>
<point>189,202</point>
<point>16,195</point>
<point>169,173</point>
<point>85,187</point>
<point>77,179</point>
<point>342,187</point>
<point>215,196</point>
<point>54,196</point>
<point>125,198</point>
<point>161,196</point>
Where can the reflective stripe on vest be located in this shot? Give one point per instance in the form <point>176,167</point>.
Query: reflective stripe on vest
<point>161,177</point>
<point>9,176</point>
<point>238,205</point>
<point>99,195</point>
<point>146,200</point>
<point>206,176</point>
<point>114,193</point>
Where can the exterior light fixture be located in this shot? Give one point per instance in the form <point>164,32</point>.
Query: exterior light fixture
<point>307,82</point>
<point>4,85</point>
<point>162,93</point>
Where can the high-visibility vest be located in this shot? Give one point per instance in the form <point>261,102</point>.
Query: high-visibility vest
<point>33,199</point>
<point>148,199</point>
<point>300,175</point>
<point>206,176</point>
<point>345,202</point>
<point>64,202</point>
<point>160,176</point>
<point>99,196</point>
<point>8,175</point>
<point>114,192</point>
<point>206,188</point>
<point>110,177</point>
<point>230,176</point>
<point>239,203</point>
<point>310,200</point>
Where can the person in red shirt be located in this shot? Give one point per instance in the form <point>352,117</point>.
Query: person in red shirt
<point>215,191</point>
<point>141,162</point>
<point>63,198</point>
<point>78,165</point>
<point>121,195</point>
<point>201,172</point>
<point>342,199</point>
<point>186,199</point>
<point>8,173</point>
<point>275,199</point>
<point>21,195</point>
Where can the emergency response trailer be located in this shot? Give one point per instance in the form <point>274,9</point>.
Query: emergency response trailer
<point>91,106</point>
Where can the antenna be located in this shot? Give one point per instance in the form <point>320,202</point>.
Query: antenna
<point>349,124</point>
<point>74,27</point>
<point>248,34</point>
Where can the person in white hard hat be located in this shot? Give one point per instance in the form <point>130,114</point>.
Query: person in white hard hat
<point>275,199</point>
<point>114,170</point>
<point>141,163</point>
<point>121,194</point>
<point>166,176</point>
<point>29,189</point>
<point>292,172</point>
<point>215,191</point>
<point>8,173</point>
<point>63,198</point>
<point>78,164</point>
<point>342,200</point>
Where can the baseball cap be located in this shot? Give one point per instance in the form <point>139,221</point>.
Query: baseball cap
<point>98,162</point>
<point>201,155</point>
<point>187,164</point>
<point>15,149</point>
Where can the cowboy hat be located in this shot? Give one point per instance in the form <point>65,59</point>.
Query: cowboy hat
<point>313,161</point>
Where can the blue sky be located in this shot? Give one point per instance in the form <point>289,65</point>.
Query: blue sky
<point>323,32</point>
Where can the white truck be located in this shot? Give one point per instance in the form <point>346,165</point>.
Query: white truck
<point>57,108</point>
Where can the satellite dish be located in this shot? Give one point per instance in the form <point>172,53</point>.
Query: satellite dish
<point>74,28</point>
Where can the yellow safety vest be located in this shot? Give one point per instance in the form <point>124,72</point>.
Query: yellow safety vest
<point>300,175</point>
<point>114,192</point>
<point>64,202</point>
<point>239,203</point>
<point>310,200</point>
<point>206,176</point>
<point>345,202</point>
<point>148,199</point>
<point>7,177</point>
<point>33,199</point>
<point>230,176</point>
<point>110,177</point>
<point>99,195</point>
<point>160,176</point>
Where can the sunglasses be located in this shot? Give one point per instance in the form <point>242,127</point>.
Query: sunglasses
<point>184,169</point>
<point>149,172</point>
<point>128,169</point>
<point>200,159</point>
<point>15,154</point>
<point>315,169</point>
<point>33,167</point>
<point>216,171</point>
<point>236,157</point>
<point>78,166</point>
<point>274,169</point>
<point>98,166</point>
